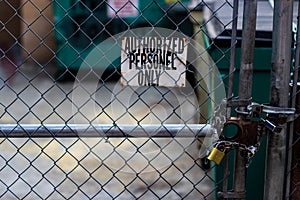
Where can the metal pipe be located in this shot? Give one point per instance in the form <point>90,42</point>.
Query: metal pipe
<point>279,95</point>
<point>230,82</point>
<point>232,50</point>
<point>293,104</point>
<point>245,82</point>
<point>247,49</point>
<point>101,130</point>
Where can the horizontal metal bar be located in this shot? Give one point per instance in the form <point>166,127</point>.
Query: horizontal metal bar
<point>103,130</point>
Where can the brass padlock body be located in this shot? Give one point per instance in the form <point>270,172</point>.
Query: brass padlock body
<point>216,155</point>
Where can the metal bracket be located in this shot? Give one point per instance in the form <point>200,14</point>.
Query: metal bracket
<point>236,101</point>
<point>278,110</point>
<point>282,115</point>
<point>232,195</point>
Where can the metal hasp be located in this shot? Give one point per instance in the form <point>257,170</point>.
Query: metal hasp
<point>280,75</point>
<point>245,83</point>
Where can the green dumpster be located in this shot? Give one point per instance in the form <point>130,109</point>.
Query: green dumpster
<point>81,25</point>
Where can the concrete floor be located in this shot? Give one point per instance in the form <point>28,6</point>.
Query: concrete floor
<point>100,168</point>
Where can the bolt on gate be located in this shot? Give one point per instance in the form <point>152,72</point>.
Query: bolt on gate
<point>124,100</point>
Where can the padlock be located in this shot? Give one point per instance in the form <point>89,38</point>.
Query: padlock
<point>216,155</point>
<point>272,126</point>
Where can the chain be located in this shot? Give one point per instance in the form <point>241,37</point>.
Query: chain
<point>271,118</point>
<point>247,151</point>
<point>219,118</point>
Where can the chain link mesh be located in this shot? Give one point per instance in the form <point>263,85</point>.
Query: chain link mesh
<point>44,43</point>
<point>292,171</point>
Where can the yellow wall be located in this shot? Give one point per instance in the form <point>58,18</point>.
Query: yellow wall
<point>23,22</point>
<point>37,30</point>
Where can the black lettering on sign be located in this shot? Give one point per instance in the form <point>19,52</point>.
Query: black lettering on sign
<point>151,57</point>
<point>131,59</point>
<point>148,77</point>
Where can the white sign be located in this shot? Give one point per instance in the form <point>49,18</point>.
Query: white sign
<point>157,61</point>
<point>122,8</point>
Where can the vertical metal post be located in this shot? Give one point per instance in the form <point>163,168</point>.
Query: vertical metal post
<point>231,81</point>
<point>280,75</point>
<point>293,95</point>
<point>196,17</point>
<point>245,81</point>
<point>232,50</point>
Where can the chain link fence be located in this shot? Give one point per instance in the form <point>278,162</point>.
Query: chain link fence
<point>71,130</point>
<point>292,171</point>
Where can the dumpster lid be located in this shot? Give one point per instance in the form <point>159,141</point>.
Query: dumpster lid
<point>218,16</point>
<point>262,39</point>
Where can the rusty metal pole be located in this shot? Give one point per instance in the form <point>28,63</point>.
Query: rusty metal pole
<point>232,50</point>
<point>294,126</point>
<point>245,82</point>
<point>230,82</point>
<point>279,96</point>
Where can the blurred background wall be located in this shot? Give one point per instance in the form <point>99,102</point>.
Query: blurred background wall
<point>37,40</point>
<point>33,30</point>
